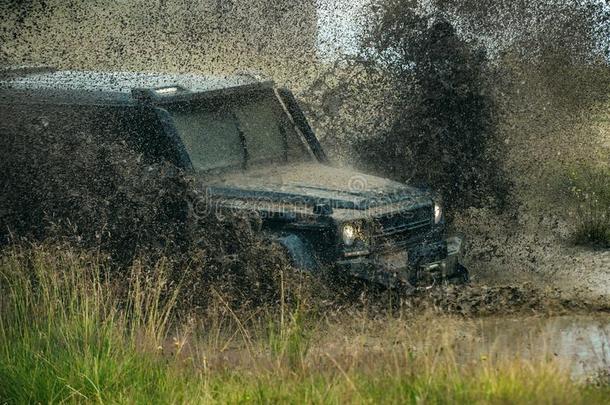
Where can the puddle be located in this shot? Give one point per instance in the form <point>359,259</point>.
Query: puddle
<point>580,342</point>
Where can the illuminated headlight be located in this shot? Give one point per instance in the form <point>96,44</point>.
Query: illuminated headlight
<point>348,232</point>
<point>438,213</point>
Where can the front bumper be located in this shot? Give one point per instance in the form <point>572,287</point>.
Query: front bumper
<point>424,264</point>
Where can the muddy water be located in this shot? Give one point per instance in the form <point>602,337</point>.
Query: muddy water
<point>580,342</point>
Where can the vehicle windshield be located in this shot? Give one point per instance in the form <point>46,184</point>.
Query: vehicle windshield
<point>238,131</point>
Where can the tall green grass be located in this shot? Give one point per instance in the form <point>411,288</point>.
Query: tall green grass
<point>590,187</point>
<point>69,333</point>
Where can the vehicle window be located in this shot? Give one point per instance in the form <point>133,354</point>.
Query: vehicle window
<point>210,135</point>
<point>263,130</point>
<point>239,132</point>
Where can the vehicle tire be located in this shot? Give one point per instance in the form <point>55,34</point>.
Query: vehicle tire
<point>461,276</point>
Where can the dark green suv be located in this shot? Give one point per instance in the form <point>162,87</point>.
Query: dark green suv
<point>251,150</point>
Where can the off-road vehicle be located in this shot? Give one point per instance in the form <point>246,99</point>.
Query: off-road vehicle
<point>251,149</point>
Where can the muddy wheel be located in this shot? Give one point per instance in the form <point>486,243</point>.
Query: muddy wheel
<point>461,276</point>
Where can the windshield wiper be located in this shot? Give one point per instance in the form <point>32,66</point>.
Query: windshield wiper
<point>242,140</point>
<point>284,140</point>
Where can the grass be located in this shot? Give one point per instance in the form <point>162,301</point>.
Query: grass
<point>590,187</point>
<point>70,334</point>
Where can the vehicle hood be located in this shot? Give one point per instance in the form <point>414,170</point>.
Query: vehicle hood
<point>312,184</point>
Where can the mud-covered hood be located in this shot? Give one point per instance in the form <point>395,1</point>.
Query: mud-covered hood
<point>312,184</point>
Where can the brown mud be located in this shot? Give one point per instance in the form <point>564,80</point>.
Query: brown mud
<point>527,261</point>
<point>476,300</point>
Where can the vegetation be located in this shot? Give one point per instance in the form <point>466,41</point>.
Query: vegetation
<point>68,333</point>
<point>590,188</point>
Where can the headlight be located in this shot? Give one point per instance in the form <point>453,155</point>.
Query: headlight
<point>348,232</point>
<point>438,213</point>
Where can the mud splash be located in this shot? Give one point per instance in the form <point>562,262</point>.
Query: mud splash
<point>483,300</point>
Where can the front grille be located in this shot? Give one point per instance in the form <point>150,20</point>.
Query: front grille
<point>403,229</point>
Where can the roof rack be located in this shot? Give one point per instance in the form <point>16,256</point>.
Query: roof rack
<point>22,70</point>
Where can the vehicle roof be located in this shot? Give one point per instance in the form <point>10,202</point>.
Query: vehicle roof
<point>72,86</point>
